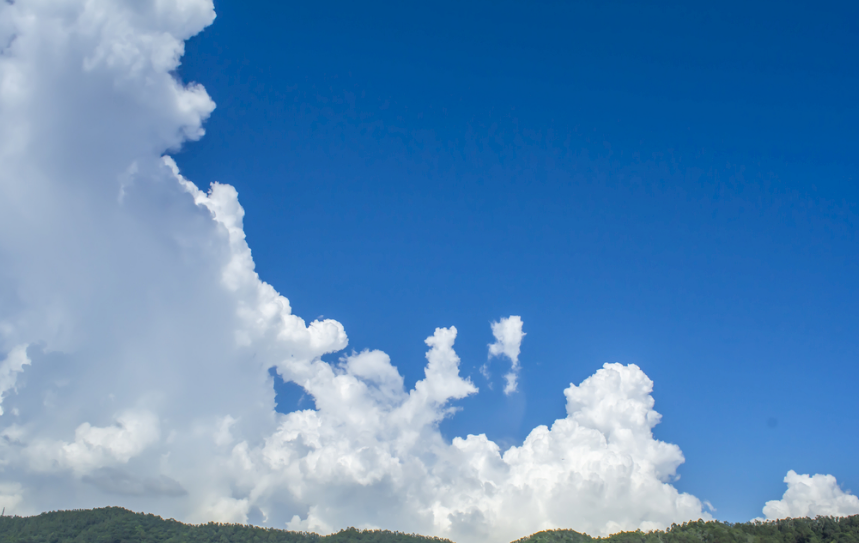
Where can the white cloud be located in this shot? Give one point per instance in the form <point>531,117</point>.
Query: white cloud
<point>151,336</point>
<point>810,496</point>
<point>9,370</point>
<point>508,340</point>
<point>95,447</point>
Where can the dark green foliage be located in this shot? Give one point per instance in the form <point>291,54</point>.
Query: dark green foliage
<point>794,530</point>
<point>117,525</point>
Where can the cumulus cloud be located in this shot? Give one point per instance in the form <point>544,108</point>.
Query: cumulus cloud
<point>137,337</point>
<point>9,370</point>
<point>508,341</point>
<point>95,447</point>
<point>810,496</point>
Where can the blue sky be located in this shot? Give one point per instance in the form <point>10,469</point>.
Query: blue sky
<point>670,185</point>
<point>256,325</point>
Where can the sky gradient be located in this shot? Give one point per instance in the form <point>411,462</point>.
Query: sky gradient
<point>462,271</point>
<point>667,185</point>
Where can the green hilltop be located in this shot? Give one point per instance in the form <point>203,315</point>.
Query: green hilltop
<point>118,525</point>
<point>792,530</point>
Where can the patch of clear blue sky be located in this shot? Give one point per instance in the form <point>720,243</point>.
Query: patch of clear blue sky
<point>670,184</point>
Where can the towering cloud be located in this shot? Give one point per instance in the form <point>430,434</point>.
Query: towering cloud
<point>810,496</point>
<point>137,338</point>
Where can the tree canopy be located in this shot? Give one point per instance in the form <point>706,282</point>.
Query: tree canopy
<point>792,530</point>
<point>118,525</point>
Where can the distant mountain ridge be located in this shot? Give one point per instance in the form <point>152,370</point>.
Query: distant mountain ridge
<point>118,525</point>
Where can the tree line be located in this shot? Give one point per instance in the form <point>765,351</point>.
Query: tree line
<point>791,530</point>
<point>118,525</point>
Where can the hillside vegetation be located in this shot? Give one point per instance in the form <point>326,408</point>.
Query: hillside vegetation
<point>794,530</point>
<point>117,525</point>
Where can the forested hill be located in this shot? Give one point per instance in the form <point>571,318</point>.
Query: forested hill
<point>792,530</point>
<point>117,525</point>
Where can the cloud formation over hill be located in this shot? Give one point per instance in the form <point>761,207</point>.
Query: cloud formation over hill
<point>810,496</point>
<point>136,337</point>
